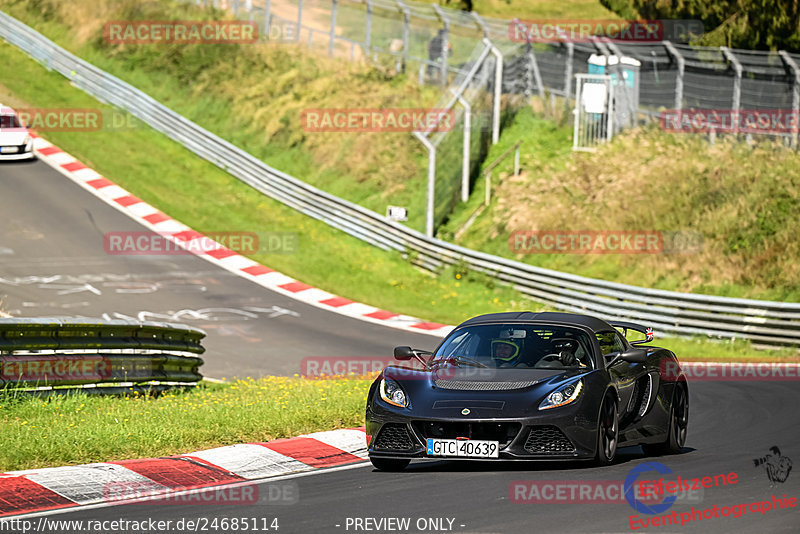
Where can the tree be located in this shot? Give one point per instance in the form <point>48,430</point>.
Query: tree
<point>751,24</point>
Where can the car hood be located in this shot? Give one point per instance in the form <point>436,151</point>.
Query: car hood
<point>488,393</point>
<point>13,136</point>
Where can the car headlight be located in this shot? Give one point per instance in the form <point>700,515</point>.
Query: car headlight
<point>562,396</point>
<point>392,393</point>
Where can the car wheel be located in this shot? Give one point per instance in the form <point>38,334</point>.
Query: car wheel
<point>678,425</point>
<point>389,464</point>
<point>607,432</point>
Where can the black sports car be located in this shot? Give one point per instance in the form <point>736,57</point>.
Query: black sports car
<point>532,386</point>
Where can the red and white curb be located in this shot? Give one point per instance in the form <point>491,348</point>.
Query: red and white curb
<point>39,490</point>
<point>184,236</point>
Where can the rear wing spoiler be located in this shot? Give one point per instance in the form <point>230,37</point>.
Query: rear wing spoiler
<point>625,326</point>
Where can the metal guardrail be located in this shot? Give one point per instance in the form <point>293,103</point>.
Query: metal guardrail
<point>672,76</point>
<point>763,322</point>
<point>56,353</point>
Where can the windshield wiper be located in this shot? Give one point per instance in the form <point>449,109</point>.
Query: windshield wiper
<point>460,359</point>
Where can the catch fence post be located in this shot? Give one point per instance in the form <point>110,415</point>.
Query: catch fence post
<point>334,7</point>
<point>568,76</point>
<point>267,21</point>
<point>737,86</point>
<point>431,182</point>
<point>465,150</point>
<point>498,88</point>
<point>299,19</point>
<point>792,65</point>
<point>406,24</point>
<point>445,43</point>
<point>368,30</point>
<point>681,62</point>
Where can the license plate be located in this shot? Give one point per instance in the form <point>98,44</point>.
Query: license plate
<point>466,448</point>
<point>8,149</point>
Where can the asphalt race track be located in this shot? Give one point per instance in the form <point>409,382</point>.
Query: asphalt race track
<point>731,424</point>
<point>52,263</point>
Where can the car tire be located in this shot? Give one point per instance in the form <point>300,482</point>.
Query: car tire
<point>607,432</point>
<point>389,464</point>
<point>678,425</point>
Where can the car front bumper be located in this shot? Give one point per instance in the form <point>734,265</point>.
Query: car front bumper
<point>568,434</point>
<point>22,152</point>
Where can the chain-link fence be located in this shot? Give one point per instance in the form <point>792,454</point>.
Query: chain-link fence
<point>441,46</point>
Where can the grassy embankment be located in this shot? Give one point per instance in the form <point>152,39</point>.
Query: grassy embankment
<point>741,201</point>
<point>74,429</point>
<point>206,198</point>
<point>154,168</point>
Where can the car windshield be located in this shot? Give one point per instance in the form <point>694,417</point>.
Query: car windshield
<point>516,346</point>
<point>9,121</point>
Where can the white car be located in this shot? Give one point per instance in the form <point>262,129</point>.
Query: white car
<point>15,140</point>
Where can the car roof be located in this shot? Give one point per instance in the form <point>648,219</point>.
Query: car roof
<point>566,319</point>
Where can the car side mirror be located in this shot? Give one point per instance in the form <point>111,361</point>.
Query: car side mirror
<point>403,353</point>
<point>407,353</point>
<point>630,356</point>
<point>634,356</point>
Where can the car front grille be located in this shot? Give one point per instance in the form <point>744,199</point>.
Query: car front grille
<point>503,433</point>
<point>394,437</point>
<point>475,385</point>
<point>548,440</point>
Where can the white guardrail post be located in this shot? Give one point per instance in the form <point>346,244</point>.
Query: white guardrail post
<point>762,322</point>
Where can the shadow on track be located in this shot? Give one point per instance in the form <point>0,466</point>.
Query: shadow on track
<point>624,455</point>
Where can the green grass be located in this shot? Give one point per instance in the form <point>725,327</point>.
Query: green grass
<point>254,95</point>
<point>207,199</point>
<point>741,200</point>
<point>154,168</point>
<point>75,428</point>
<point>698,349</point>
